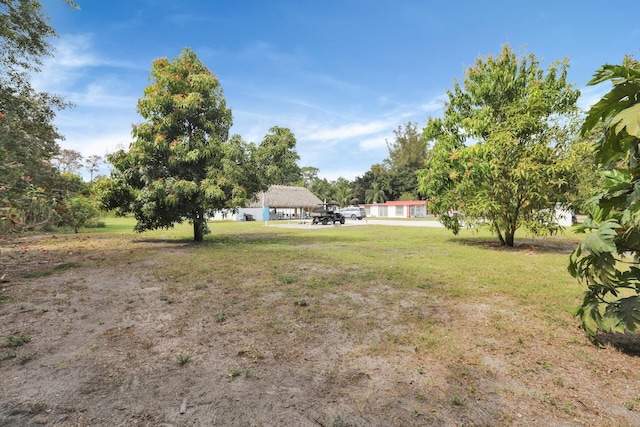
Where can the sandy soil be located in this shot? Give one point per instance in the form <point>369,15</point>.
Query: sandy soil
<point>104,343</point>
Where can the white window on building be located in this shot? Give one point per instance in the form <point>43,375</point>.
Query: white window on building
<point>399,210</point>
<point>382,211</point>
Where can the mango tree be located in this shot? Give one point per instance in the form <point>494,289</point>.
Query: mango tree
<point>182,165</point>
<point>500,153</point>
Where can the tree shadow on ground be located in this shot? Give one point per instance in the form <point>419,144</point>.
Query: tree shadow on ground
<point>257,238</point>
<point>627,343</point>
<point>530,245</point>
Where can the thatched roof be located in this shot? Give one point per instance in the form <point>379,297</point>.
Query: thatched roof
<point>284,196</point>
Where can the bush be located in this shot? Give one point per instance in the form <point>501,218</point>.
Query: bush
<point>80,211</point>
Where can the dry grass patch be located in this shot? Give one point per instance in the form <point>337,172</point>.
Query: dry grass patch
<point>374,325</point>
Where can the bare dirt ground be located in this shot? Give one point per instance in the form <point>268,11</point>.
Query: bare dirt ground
<point>92,337</point>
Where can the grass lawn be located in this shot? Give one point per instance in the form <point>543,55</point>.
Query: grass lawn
<point>335,326</point>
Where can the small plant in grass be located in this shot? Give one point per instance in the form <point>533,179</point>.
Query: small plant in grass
<point>302,303</point>
<point>457,400</point>
<point>16,340</point>
<point>183,358</point>
<point>39,406</point>
<point>26,357</point>
<point>339,422</point>
<point>287,279</point>
<point>235,373</point>
<point>420,370</point>
<point>167,299</point>
<point>7,355</point>
<point>631,405</point>
<point>221,317</point>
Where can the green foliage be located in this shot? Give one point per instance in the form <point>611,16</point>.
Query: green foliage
<point>27,134</point>
<point>378,173</point>
<point>409,150</point>
<point>375,194</point>
<point>607,261</point>
<point>586,171</point>
<point>277,161</point>
<point>308,174</point>
<point>322,188</point>
<point>182,165</point>
<point>183,358</point>
<point>407,155</point>
<point>16,339</point>
<point>24,37</point>
<point>69,184</point>
<point>80,211</point>
<point>343,196</point>
<point>501,153</point>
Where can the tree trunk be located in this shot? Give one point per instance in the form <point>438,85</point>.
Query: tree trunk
<point>508,238</point>
<point>499,233</point>
<point>198,228</point>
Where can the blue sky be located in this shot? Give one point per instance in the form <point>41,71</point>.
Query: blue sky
<point>341,74</point>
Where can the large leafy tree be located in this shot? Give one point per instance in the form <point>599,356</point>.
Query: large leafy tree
<point>278,159</point>
<point>182,164</point>
<point>608,261</point>
<point>407,154</point>
<point>27,134</point>
<point>500,152</point>
<point>308,174</point>
<point>409,150</point>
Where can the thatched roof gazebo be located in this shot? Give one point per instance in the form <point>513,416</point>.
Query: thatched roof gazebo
<point>280,202</point>
<point>286,197</point>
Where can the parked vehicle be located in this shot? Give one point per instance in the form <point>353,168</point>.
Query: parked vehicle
<point>354,212</point>
<point>327,213</point>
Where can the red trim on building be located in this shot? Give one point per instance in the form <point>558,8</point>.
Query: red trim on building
<point>399,203</point>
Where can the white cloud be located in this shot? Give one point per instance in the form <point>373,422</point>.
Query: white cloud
<point>349,174</point>
<point>99,143</point>
<point>375,143</point>
<point>73,51</point>
<point>589,95</point>
<point>101,95</point>
<point>73,60</point>
<point>433,105</point>
<point>345,131</point>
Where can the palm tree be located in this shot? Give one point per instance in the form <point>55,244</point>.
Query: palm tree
<point>375,194</point>
<point>343,196</point>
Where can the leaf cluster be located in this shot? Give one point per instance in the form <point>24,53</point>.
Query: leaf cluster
<point>27,132</point>
<point>608,259</point>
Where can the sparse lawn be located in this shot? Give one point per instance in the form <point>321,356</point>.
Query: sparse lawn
<point>262,325</point>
